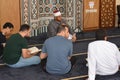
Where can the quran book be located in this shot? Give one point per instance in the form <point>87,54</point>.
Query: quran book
<point>34,50</point>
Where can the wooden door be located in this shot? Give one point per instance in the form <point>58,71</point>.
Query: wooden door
<point>10,12</point>
<point>90,14</point>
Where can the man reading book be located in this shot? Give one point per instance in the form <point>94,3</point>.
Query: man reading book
<point>16,53</point>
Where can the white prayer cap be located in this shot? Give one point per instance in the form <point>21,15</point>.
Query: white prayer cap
<point>56,13</point>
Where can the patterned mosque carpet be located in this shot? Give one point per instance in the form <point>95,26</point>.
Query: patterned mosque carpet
<point>79,69</point>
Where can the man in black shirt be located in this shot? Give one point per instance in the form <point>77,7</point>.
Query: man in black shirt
<point>6,30</point>
<point>54,23</point>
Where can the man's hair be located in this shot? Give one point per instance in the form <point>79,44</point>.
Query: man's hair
<point>61,28</point>
<point>24,27</point>
<point>100,34</point>
<point>8,25</point>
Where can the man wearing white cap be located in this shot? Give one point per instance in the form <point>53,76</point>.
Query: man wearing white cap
<point>52,27</point>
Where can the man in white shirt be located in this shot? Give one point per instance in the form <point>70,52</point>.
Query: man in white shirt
<point>103,56</point>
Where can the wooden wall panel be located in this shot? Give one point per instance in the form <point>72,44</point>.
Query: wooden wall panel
<point>90,14</point>
<point>107,13</point>
<point>10,12</point>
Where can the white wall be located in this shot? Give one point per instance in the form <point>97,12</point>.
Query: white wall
<point>117,3</point>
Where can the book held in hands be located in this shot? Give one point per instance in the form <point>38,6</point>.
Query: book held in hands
<point>34,50</point>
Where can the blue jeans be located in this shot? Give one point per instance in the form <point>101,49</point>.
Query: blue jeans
<point>26,62</point>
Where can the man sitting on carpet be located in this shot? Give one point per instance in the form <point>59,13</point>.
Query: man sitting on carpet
<point>103,56</point>
<point>6,31</point>
<point>16,54</point>
<point>58,50</point>
<point>52,27</point>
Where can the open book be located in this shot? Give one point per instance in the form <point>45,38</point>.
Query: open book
<point>34,50</point>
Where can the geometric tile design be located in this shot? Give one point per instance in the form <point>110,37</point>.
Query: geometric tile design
<point>107,13</point>
<point>46,7</point>
<point>70,11</point>
<point>79,13</point>
<point>34,9</point>
<point>25,11</point>
<point>38,13</point>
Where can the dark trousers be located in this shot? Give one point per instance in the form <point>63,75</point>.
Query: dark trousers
<point>1,53</point>
<point>43,64</point>
<point>73,60</point>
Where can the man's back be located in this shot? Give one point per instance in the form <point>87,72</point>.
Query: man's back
<point>58,49</point>
<point>13,48</point>
<point>102,58</point>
